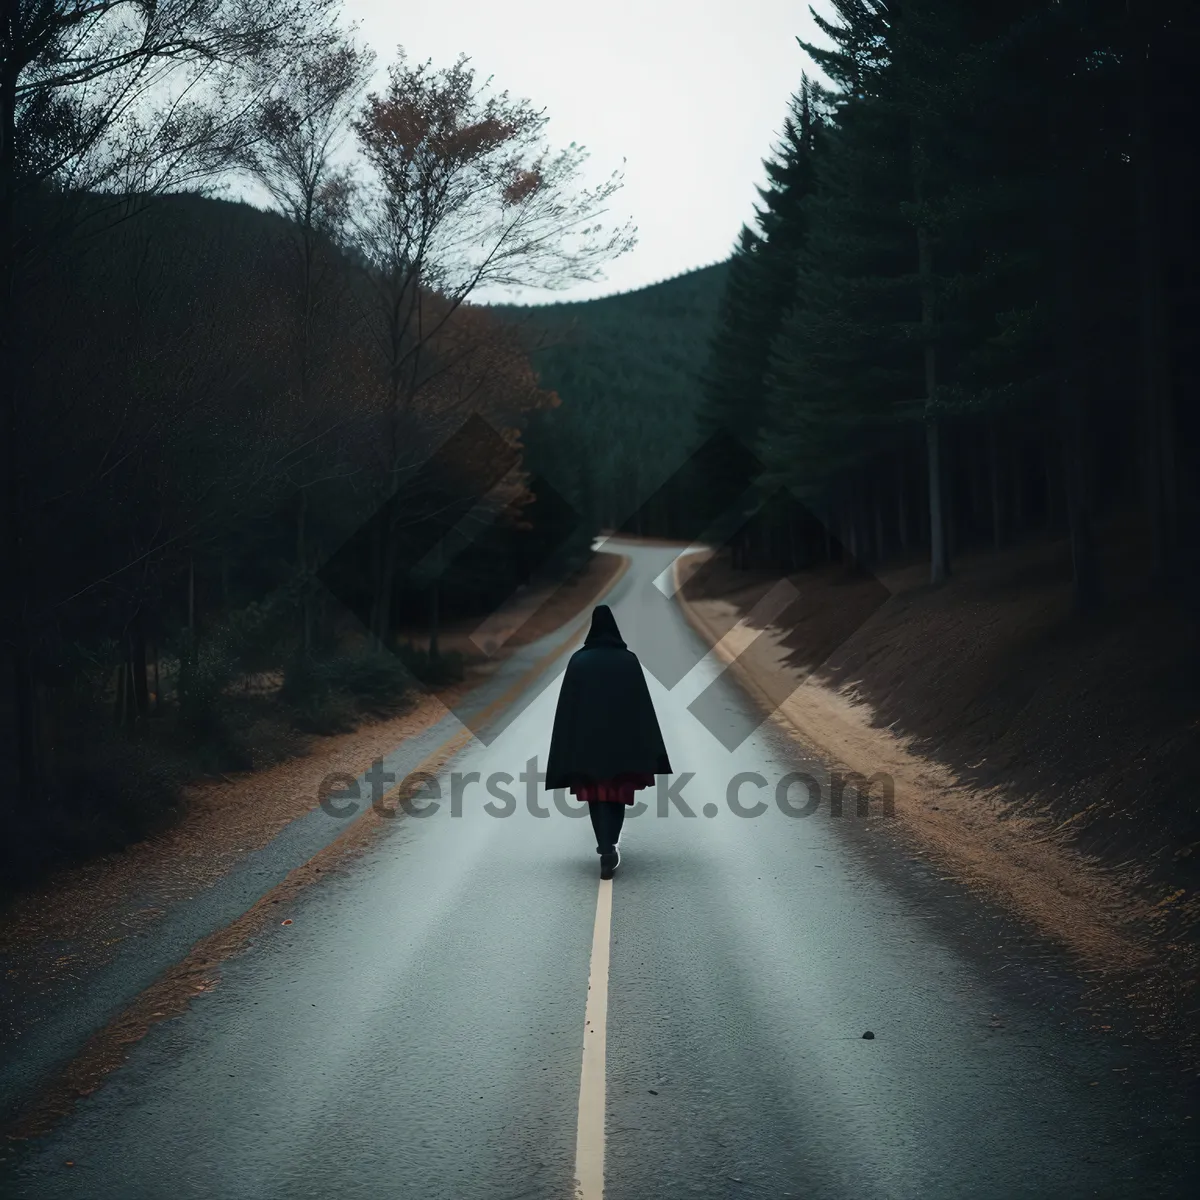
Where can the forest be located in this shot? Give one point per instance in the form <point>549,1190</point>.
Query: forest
<point>245,446</point>
<point>629,368</point>
<point>965,311</point>
<point>235,437</point>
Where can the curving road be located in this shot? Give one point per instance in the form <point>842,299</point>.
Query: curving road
<point>417,1032</point>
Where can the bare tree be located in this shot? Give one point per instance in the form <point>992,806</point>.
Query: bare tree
<point>295,155</point>
<point>121,97</point>
<point>468,195</point>
<point>465,194</point>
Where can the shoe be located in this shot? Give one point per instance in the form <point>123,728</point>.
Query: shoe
<point>609,863</point>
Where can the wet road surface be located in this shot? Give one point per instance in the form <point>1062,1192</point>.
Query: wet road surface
<point>417,1031</point>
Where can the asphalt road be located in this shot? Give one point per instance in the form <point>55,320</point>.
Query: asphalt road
<point>417,1031</point>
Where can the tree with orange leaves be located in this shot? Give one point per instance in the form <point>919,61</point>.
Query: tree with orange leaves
<point>464,194</point>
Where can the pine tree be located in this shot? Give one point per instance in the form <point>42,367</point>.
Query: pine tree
<point>759,288</point>
<point>890,295</point>
<point>842,357</point>
<point>762,275</point>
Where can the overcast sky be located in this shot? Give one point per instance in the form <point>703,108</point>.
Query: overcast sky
<point>691,93</point>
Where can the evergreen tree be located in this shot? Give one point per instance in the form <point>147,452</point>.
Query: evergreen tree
<point>842,359</point>
<point>762,277</point>
<point>893,287</point>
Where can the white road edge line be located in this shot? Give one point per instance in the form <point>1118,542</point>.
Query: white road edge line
<point>589,1133</point>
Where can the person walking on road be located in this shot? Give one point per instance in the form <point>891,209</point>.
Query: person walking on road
<point>606,743</point>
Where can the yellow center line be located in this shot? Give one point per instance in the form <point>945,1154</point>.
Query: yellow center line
<point>589,1133</point>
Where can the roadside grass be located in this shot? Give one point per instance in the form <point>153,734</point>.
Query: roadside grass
<point>114,783</point>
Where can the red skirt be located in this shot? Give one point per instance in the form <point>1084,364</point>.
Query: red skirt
<point>618,791</point>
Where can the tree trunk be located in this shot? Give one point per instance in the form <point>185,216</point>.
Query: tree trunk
<point>377,539</point>
<point>14,595</point>
<point>902,503</point>
<point>1158,418</point>
<point>387,586</point>
<point>978,471</point>
<point>938,567</point>
<point>433,606</point>
<point>877,505</point>
<point>434,651</point>
<point>848,538</point>
<point>119,703</point>
<point>137,666</point>
<point>1050,477</point>
<point>995,478</point>
<point>191,596</point>
<point>952,511</point>
<point>311,612</point>
<point>323,636</point>
<point>1071,412</point>
<point>1019,502</point>
<point>587,497</point>
<point>127,708</point>
<point>1084,564</point>
<point>924,533</point>
<point>302,567</point>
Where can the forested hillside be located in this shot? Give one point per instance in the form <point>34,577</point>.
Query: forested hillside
<point>957,352</point>
<point>965,310</point>
<point>628,370</point>
<point>196,508</point>
<point>242,450</point>
<point>968,309</point>
<point>964,313</point>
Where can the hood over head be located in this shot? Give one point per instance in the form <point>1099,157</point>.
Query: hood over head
<point>604,631</point>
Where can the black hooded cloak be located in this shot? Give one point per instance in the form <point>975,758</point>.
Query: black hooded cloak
<point>605,726</point>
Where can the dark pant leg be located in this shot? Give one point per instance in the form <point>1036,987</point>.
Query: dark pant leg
<point>598,827</point>
<point>616,820</point>
<point>607,819</point>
